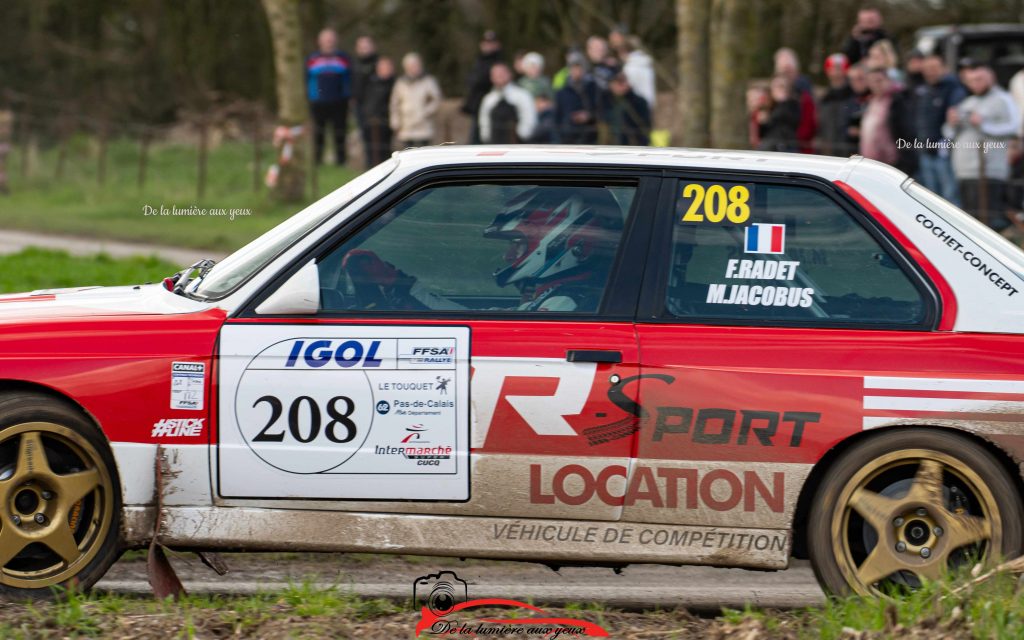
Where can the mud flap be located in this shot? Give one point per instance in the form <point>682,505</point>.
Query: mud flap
<point>162,578</point>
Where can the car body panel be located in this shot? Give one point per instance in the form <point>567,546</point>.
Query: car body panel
<point>600,462</point>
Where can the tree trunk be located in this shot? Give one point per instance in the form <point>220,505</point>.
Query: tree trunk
<point>691,121</point>
<point>286,35</point>
<point>729,73</point>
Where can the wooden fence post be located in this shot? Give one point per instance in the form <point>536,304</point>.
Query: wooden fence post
<point>204,143</point>
<point>143,159</point>
<point>6,129</point>
<point>23,143</point>
<point>101,156</point>
<point>257,150</point>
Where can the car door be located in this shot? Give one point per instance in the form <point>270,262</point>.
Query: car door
<point>471,332</point>
<point>772,308</point>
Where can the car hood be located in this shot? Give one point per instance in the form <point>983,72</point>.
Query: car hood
<point>95,301</point>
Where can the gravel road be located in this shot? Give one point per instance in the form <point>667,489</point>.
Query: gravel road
<point>15,241</point>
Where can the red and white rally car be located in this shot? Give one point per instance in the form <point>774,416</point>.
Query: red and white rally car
<point>593,355</point>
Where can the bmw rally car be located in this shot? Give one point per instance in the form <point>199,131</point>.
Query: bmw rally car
<point>567,355</point>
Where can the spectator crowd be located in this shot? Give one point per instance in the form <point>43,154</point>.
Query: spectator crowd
<point>955,130</point>
<point>604,93</point>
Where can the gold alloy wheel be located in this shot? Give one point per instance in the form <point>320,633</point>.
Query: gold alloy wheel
<point>925,508</point>
<point>56,504</point>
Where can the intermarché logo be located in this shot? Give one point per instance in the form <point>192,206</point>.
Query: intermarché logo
<point>441,596</point>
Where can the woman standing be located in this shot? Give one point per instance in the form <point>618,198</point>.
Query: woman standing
<point>779,118</point>
<point>414,103</point>
<point>884,122</point>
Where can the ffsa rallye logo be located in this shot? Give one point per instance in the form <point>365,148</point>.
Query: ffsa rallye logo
<point>430,355</point>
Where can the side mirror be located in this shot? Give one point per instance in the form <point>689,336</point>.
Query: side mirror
<point>300,294</point>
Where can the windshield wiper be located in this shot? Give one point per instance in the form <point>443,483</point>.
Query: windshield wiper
<point>180,280</point>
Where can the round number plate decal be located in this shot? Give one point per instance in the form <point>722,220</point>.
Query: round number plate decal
<point>304,421</point>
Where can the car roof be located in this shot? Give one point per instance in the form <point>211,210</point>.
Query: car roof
<point>827,167</point>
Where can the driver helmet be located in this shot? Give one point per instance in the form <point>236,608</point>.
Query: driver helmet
<point>555,235</point>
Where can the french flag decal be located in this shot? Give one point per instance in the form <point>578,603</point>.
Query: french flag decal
<point>765,238</point>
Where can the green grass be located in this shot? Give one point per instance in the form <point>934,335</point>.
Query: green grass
<point>43,269</point>
<point>78,205</point>
<point>991,609</point>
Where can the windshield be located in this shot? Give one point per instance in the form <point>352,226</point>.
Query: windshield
<point>996,245</point>
<point>242,264</point>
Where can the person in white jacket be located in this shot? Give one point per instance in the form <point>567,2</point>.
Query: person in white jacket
<point>639,70</point>
<point>507,112</point>
<point>981,126</point>
<point>636,64</point>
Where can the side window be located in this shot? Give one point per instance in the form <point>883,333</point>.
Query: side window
<point>764,252</point>
<point>482,247</point>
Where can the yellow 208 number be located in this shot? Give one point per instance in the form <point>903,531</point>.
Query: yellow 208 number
<point>713,203</point>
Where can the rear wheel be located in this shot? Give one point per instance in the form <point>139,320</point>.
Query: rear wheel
<point>911,505</point>
<point>59,504</point>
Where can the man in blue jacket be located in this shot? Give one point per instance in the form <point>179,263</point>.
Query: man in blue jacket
<point>930,101</point>
<point>328,87</point>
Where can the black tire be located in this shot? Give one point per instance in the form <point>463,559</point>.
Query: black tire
<point>822,527</point>
<point>21,407</point>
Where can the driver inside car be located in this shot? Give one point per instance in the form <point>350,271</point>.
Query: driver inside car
<point>560,245</point>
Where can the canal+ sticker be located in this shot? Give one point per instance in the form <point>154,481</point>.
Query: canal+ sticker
<point>188,385</point>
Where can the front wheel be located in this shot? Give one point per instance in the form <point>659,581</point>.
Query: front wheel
<point>59,504</point>
<point>911,505</point>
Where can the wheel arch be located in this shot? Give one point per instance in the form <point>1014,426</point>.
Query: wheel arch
<point>1012,464</point>
<point>12,385</point>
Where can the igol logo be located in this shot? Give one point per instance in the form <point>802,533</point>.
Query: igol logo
<point>383,407</point>
<point>346,354</point>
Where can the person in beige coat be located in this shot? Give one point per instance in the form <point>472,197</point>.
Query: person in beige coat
<point>414,104</point>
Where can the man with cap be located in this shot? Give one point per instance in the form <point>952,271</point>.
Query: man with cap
<point>479,82</point>
<point>912,69</point>
<point>576,104</point>
<point>836,109</point>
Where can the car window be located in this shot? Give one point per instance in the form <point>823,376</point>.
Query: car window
<point>482,247</point>
<point>763,252</point>
<point>229,273</point>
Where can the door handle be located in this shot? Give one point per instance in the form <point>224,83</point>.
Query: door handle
<point>593,355</point>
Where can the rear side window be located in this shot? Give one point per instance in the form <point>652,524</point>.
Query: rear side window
<point>764,252</point>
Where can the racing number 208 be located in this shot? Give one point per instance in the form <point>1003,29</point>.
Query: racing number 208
<point>337,418</point>
<point>713,203</point>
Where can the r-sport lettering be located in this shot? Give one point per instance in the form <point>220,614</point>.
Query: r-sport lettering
<point>719,426</point>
